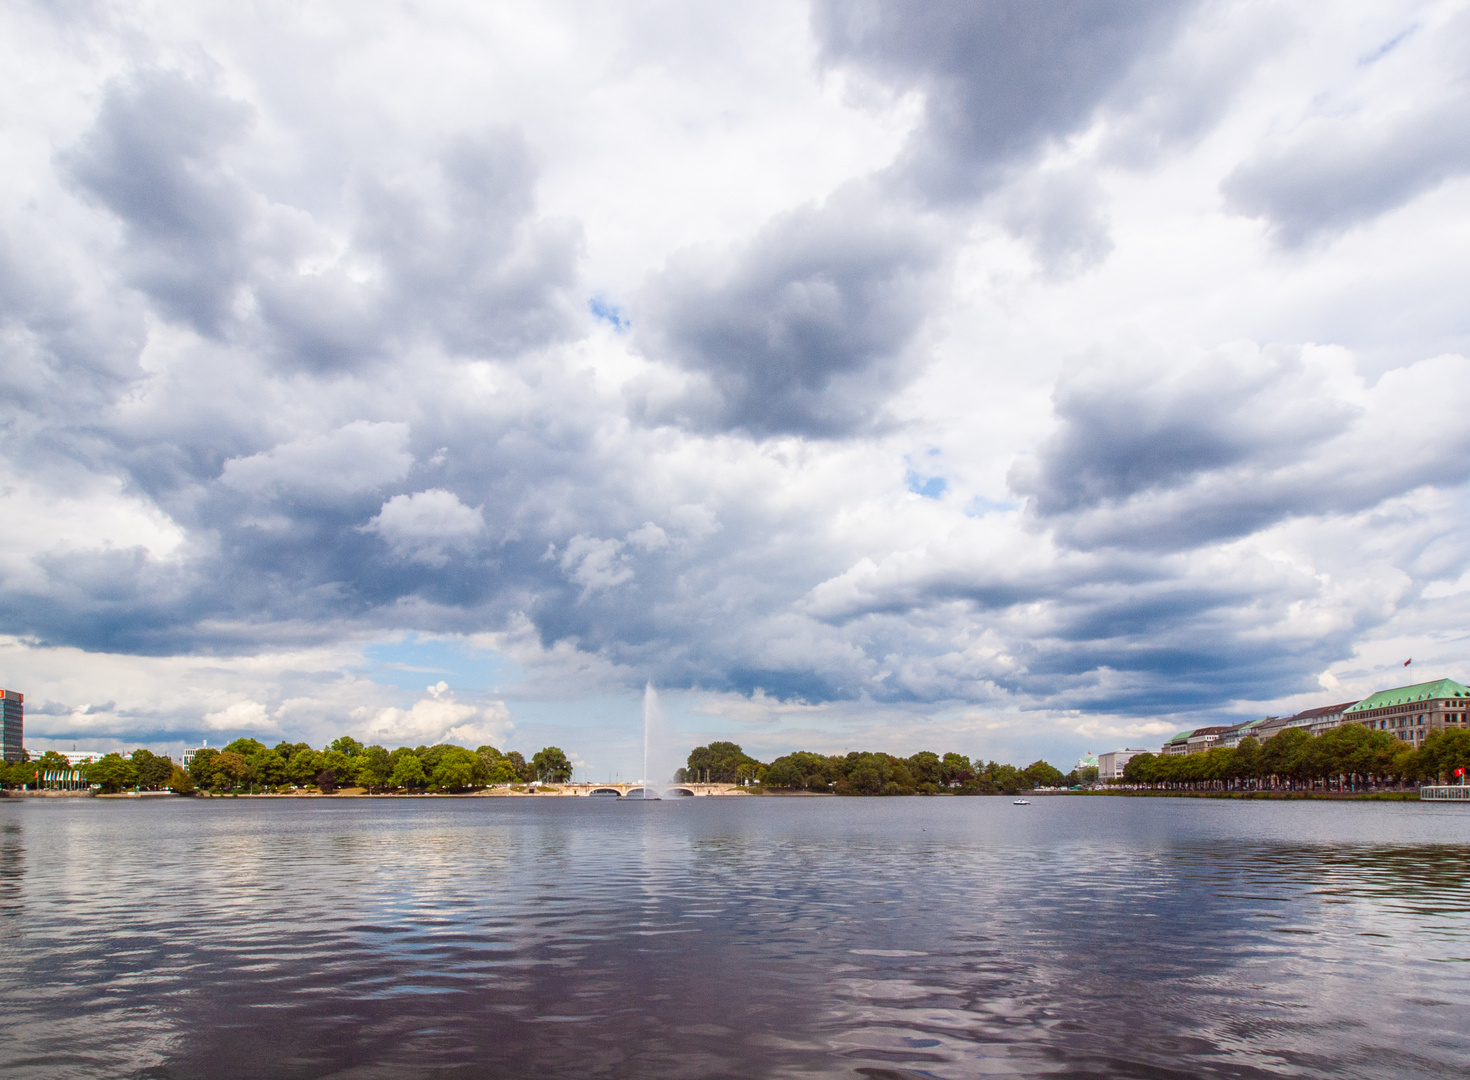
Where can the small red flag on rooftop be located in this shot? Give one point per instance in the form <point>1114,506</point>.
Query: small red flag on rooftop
<point>1409,661</point>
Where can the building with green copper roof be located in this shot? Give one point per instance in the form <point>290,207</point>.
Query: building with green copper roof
<point>1410,713</point>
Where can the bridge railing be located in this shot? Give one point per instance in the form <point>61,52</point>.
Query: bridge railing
<point>1445,793</point>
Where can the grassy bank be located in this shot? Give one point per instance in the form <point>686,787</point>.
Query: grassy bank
<point>1329,796</point>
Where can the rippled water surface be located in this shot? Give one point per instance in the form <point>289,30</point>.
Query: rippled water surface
<point>955,937</point>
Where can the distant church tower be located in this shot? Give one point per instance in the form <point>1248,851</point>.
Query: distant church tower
<point>12,725</point>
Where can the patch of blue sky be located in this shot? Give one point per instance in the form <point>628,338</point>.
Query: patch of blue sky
<point>931,487</point>
<point>414,662</point>
<point>609,313</point>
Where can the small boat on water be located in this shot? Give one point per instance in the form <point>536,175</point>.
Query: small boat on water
<point>1021,802</point>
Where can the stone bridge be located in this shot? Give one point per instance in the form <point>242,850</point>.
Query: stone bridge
<point>624,789</point>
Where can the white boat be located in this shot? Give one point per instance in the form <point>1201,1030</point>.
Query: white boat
<point>1021,802</point>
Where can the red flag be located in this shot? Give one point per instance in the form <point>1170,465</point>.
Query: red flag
<point>1460,771</point>
<point>1409,661</point>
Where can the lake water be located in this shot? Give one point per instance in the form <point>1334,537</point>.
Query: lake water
<point>955,937</point>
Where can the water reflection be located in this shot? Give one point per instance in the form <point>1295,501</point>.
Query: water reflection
<point>941,938</point>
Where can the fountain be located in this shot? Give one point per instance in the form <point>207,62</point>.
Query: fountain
<point>658,765</point>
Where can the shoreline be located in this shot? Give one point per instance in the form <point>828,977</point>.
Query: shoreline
<point>1270,796</point>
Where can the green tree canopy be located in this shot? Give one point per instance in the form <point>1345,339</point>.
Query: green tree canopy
<point>550,764</point>
<point>153,771</point>
<point>112,772</point>
<point>456,770</point>
<point>718,763</point>
<point>408,770</point>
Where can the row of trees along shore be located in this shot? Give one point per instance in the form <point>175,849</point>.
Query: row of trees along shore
<point>873,773</point>
<point>1345,758</point>
<point>247,765</point>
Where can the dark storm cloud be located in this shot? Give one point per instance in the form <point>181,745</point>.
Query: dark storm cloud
<point>1129,428</point>
<point>804,331</point>
<point>452,251</point>
<point>1000,78</point>
<point>153,159</point>
<point>1340,173</point>
<point>1161,457</point>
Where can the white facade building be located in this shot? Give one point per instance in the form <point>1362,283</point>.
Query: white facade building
<point>1110,765</point>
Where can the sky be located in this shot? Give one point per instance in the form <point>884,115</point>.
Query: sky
<point>1009,378</point>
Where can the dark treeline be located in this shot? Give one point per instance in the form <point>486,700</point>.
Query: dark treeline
<point>247,765</point>
<point>867,773</point>
<point>1346,758</point>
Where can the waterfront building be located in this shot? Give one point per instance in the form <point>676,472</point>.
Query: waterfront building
<point>1086,761</point>
<point>1179,744</point>
<point>1205,738</point>
<point>1410,713</point>
<point>189,754</point>
<point>1230,738</point>
<point>1325,718</point>
<point>12,725</point>
<point>1110,765</point>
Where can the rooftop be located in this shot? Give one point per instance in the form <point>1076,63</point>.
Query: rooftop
<point>1404,695</point>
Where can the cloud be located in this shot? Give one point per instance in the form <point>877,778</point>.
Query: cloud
<point>438,718</point>
<point>428,526</point>
<point>154,158</point>
<point>1338,172</point>
<point>1154,454</point>
<point>637,356</point>
<point>241,716</point>
<point>360,456</point>
<point>806,330</point>
<point>1000,79</point>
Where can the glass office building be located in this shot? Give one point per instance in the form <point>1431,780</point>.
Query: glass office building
<point>12,725</point>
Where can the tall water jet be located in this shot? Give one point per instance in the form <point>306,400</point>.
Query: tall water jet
<point>656,769</point>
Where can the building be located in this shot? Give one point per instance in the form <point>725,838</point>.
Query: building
<point>1325,718</point>
<point>189,754</point>
<point>1086,761</point>
<point>1110,765</point>
<point>1230,738</point>
<point>1410,713</point>
<point>1179,744</point>
<point>1205,738</point>
<point>12,725</point>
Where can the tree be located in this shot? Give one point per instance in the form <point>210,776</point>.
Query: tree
<point>230,769</point>
<point>347,746</point>
<point>202,767</point>
<point>304,766</point>
<point>524,769</point>
<point>956,770</point>
<point>408,770</point>
<point>1040,774</point>
<point>1139,769</point>
<point>927,770</point>
<point>457,769</point>
<point>497,767</point>
<point>112,773</point>
<point>717,763</point>
<point>374,768</point>
<point>153,771</point>
<point>180,782</point>
<point>551,765</point>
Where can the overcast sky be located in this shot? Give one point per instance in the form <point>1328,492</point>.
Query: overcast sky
<point>1015,378</point>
